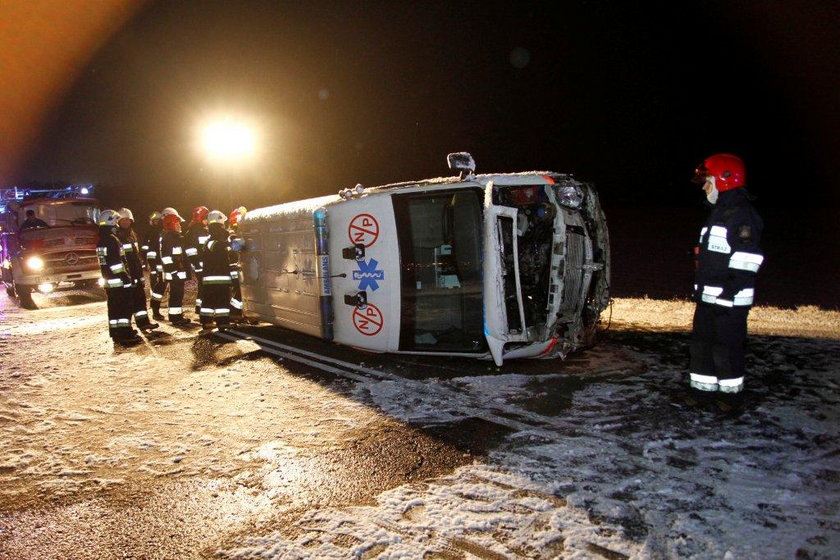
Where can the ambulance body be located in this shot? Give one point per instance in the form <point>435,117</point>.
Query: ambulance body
<point>502,266</point>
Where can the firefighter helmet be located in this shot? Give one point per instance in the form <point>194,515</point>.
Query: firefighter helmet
<point>237,215</point>
<point>169,211</point>
<point>171,222</point>
<point>108,218</point>
<point>199,214</point>
<point>216,217</point>
<point>154,217</point>
<point>728,170</point>
<point>125,213</point>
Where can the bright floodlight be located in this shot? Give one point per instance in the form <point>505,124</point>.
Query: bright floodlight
<point>228,140</point>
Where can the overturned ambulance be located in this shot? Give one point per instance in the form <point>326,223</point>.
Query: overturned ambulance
<point>502,266</point>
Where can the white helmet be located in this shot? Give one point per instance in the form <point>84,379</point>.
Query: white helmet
<point>125,213</point>
<point>108,218</point>
<point>170,211</point>
<point>216,217</point>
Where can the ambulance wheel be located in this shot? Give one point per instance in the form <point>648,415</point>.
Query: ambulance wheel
<point>10,291</point>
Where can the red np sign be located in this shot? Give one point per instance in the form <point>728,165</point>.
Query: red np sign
<point>368,320</point>
<point>364,230</point>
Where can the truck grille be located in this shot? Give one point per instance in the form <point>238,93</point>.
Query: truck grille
<point>70,261</point>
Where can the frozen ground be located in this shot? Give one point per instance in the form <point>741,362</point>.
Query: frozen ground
<point>195,448</point>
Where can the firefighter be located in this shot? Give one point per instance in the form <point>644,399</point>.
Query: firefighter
<point>149,249</point>
<point>727,260</point>
<point>128,238</point>
<point>217,280</point>
<point>118,282</point>
<point>174,267</point>
<point>236,243</point>
<point>194,239</point>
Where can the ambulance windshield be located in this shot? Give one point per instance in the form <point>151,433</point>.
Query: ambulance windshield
<point>440,253</point>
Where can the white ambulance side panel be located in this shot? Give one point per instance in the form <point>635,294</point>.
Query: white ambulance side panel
<point>368,221</point>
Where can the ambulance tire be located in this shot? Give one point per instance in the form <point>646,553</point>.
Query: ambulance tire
<point>10,291</point>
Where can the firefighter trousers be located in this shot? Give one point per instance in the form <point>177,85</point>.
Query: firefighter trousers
<point>157,291</point>
<point>199,290</point>
<point>119,312</point>
<point>718,340</point>
<point>176,297</point>
<point>215,304</point>
<point>138,305</point>
<point>235,301</point>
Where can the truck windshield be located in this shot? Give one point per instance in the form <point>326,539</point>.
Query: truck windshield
<point>63,214</point>
<point>440,238</point>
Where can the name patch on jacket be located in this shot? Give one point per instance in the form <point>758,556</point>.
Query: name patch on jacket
<point>717,240</point>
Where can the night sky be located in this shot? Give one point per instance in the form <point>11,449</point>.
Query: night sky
<point>629,97</point>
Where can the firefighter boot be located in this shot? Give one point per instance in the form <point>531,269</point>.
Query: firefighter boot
<point>206,326</point>
<point>126,337</point>
<point>155,305</point>
<point>179,320</point>
<point>141,319</point>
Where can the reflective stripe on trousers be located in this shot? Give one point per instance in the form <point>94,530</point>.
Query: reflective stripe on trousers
<point>712,383</point>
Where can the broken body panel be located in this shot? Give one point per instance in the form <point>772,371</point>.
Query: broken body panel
<point>502,266</point>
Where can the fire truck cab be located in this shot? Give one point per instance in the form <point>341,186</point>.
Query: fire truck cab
<point>490,266</point>
<point>58,255</point>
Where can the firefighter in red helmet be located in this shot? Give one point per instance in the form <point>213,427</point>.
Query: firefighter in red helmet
<point>236,242</point>
<point>236,215</point>
<point>194,239</point>
<point>174,267</point>
<point>149,248</point>
<point>728,257</point>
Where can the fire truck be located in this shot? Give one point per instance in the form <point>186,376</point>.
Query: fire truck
<point>497,266</point>
<point>59,251</point>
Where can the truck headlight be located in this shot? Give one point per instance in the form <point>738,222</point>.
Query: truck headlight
<point>35,264</point>
<point>569,195</point>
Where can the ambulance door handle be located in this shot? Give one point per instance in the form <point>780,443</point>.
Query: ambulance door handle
<point>356,299</point>
<point>354,253</point>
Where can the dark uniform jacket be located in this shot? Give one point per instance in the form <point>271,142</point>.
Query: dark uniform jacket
<point>194,240</point>
<point>172,256</point>
<point>151,247</point>
<point>728,255</point>
<point>128,239</point>
<point>112,261</point>
<point>216,261</point>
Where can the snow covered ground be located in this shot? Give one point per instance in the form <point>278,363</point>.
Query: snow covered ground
<point>600,456</point>
<point>621,467</point>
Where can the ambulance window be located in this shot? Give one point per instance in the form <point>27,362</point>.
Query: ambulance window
<point>440,255</point>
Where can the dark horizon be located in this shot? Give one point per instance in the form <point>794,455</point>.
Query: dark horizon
<point>379,92</point>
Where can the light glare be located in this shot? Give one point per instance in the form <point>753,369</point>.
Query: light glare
<point>228,140</point>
